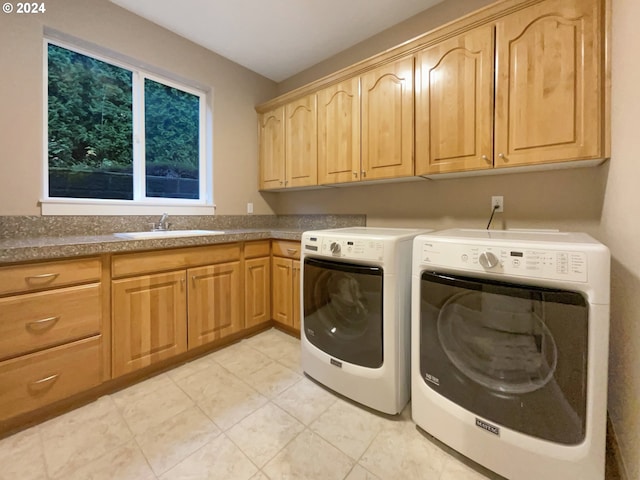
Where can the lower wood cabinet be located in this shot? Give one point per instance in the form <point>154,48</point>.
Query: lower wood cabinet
<point>214,303</point>
<point>51,333</point>
<point>285,283</point>
<point>257,291</point>
<point>36,380</point>
<point>149,320</point>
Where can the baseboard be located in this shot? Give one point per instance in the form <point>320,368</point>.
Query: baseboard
<point>615,469</point>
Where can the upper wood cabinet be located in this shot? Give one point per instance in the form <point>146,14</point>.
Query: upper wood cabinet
<point>454,104</point>
<point>271,140</point>
<point>289,146</point>
<point>339,132</point>
<point>387,121</point>
<point>549,84</point>
<point>518,83</point>
<point>301,144</point>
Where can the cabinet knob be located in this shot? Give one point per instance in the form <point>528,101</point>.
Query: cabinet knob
<point>503,157</point>
<point>486,159</point>
<point>355,174</point>
<point>364,173</point>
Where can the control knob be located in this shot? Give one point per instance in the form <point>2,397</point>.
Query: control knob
<point>488,259</point>
<point>335,248</point>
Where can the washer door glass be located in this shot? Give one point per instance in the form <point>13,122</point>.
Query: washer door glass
<point>342,310</point>
<point>500,342</point>
<point>512,354</point>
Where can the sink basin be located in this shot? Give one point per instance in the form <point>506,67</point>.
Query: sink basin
<point>166,234</point>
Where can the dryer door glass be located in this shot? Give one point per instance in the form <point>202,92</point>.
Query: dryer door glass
<point>342,307</point>
<point>510,353</point>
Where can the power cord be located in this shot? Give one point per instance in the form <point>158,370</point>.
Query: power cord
<point>495,207</point>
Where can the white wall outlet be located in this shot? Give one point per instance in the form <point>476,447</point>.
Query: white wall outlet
<point>249,208</point>
<point>497,200</point>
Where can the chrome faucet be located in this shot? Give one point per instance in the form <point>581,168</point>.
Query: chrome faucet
<point>162,224</point>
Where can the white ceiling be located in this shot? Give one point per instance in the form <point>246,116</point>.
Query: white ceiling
<point>276,38</point>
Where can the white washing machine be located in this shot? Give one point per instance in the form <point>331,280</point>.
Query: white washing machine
<point>510,337</point>
<point>356,313</point>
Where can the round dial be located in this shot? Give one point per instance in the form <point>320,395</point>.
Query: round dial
<point>335,248</point>
<point>488,259</point>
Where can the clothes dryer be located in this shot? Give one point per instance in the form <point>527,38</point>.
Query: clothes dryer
<point>509,349</point>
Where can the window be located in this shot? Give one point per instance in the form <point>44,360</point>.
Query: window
<point>119,135</point>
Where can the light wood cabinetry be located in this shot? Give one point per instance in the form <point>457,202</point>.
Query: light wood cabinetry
<point>285,283</point>
<point>546,94</point>
<point>301,142</point>
<point>519,83</point>
<point>149,320</point>
<point>454,104</point>
<point>289,146</point>
<point>214,303</point>
<point>32,381</point>
<point>257,283</point>
<point>51,342</point>
<point>271,140</point>
<point>387,121</point>
<point>185,298</point>
<point>549,84</point>
<point>339,132</point>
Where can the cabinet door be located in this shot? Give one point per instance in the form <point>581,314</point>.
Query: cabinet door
<point>271,140</point>
<point>548,90</point>
<point>281,303</point>
<point>387,121</point>
<point>339,133</point>
<point>257,297</point>
<point>214,302</point>
<point>454,104</point>
<point>295,293</point>
<point>149,320</point>
<point>301,140</point>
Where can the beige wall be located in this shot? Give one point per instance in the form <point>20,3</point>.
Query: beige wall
<point>421,23</point>
<point>620,230</point>
<point>236,92</point>
<point>603,201</point>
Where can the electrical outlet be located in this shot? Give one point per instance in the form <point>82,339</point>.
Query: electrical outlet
<point>249,208</point>
<point>498,201</point>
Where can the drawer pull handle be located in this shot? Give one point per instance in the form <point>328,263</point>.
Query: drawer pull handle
<point>43,323</point>
<point>291,251</point>
<point>48,379</point>
<point>43,276</point>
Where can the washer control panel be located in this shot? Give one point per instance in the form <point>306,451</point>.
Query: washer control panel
<point>348,248</point>
<point>517,261</point>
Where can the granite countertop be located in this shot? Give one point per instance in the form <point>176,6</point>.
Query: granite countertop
<point>43,248</point>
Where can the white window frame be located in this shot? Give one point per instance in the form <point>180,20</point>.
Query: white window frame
<point>141,204</point>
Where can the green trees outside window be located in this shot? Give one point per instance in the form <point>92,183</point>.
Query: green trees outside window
<point>91,118</point>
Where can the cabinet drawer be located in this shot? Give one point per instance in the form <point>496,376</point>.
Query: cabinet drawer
<point>35,380</point>
<point>286,248</point>
<point>257,249</point>
<point>38,276</point>
<point>35,321</point>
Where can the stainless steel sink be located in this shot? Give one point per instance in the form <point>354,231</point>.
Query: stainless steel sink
<point>166,234</point>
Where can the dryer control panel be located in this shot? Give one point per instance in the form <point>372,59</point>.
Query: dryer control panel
<point>347,248</point>
<point>517,261</point>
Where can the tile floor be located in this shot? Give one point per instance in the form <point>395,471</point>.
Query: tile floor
<point>243,412</point>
